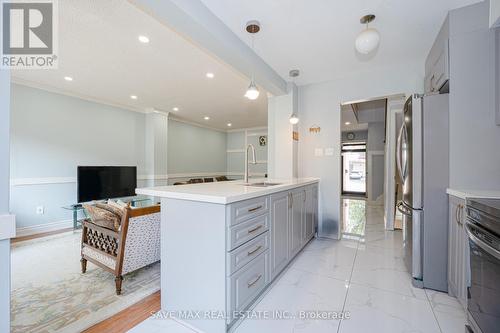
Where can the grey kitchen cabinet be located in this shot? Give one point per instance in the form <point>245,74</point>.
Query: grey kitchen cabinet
<point>494,13</point>
<point>458,250</point>
<point>294,216</point>
<point>236,249</point>
<point>315,204</point>
<point>439,73</point>
<point>280,211</point>
<point>437,67</point>
<point>297,219</point>
<point>497,72</point>
<point>309,221</point>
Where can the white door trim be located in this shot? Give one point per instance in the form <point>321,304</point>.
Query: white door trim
<point>7,226</point>
<point>369,178</point>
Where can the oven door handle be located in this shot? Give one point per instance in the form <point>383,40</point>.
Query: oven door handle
<point>476,240</point>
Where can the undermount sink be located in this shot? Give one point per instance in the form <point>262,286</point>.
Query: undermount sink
<point>263,184</point>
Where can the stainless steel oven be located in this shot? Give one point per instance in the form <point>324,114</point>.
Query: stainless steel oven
<point>483,294</point>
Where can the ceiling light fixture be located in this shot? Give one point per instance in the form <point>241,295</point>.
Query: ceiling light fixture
<point>368,39</point>
<point>294,119</point>
<point>143,39</point>
<point>175,108</point>
<point>210,75</point>
<point>133,96</point>
<point>348,123</point>
<point>252,91</point>
<point>206,118</point>
<point>229,124</point>
<point>68,78</point>
<point>252,28</point>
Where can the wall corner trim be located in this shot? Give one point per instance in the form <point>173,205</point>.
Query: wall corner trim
<point>7,226</point>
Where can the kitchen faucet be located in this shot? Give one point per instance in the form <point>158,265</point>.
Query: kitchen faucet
<point>246,161</point>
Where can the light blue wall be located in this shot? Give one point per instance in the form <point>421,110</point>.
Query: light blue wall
<point>260,154</point>
<point>51,134</point>
<point>194,149</point>
<point>4,200</point>
<point>235,161</point>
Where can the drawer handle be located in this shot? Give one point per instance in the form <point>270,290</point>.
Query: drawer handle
<point>254,209</point>
<point>256,249</point>
<point>251,284</point>
<point>255,229</point>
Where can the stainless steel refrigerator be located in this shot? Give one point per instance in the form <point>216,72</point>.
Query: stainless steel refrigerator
<point>423,166</point>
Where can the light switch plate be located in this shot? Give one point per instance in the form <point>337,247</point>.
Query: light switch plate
<point>329,151</point>
<point>7,226</point>
<point>318,152</point>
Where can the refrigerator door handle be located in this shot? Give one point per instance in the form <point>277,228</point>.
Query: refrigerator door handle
<point>398,155</point>
<point>403,209</point>
<point>406,209</point>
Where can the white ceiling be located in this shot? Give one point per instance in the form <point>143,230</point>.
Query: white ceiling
<point>317,36</point>
<point>99,48</point>
<point>359,115</point>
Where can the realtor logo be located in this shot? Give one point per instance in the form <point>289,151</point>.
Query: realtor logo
<point>29,31</point>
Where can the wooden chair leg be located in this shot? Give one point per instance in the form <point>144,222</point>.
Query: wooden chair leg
<point>84,265</point>
<point>118,282</point>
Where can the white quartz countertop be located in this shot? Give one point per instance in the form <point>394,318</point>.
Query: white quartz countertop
<point>224,192</point>
<point>464,194</point>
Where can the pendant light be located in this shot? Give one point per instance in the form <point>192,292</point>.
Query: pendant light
<point>294,119</point>
<point>252,93</point>
<point>368,39</point>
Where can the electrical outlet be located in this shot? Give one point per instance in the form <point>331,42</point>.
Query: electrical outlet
<point>40,210</point>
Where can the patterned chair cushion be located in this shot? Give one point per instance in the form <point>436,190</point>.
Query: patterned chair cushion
<point>113,209</point>
<point>103,217</point>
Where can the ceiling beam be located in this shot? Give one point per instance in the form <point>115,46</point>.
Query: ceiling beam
<point>194,21</point>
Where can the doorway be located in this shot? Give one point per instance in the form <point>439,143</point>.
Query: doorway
<point>354,169</point>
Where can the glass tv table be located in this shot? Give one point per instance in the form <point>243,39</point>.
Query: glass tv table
<point>79,213</point>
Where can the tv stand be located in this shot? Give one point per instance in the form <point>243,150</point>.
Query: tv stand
<point>75,208</point>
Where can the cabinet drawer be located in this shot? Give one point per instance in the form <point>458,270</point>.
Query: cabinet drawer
<point>243,232</point>
<point>241,256</point>
<point>247,283</point>
<point>244,210</point>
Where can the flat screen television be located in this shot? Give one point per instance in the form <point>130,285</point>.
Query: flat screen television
<point>105,182</point>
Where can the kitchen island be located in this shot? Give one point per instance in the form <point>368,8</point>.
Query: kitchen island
<point>223,243</point>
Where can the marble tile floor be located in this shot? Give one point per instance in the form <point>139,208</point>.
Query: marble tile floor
<point>364,278</point>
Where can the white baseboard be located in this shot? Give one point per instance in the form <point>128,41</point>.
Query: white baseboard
<point>41,228</point>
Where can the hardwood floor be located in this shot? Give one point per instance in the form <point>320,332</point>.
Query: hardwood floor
<point>43,234</point>
<point>130,317</point>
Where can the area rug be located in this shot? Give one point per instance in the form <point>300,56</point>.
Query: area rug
<point>50,294</point>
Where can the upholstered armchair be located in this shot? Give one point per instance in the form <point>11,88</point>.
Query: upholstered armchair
<point>134,245</point>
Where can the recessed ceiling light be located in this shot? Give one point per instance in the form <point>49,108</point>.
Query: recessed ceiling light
<point>133,96</point>
<point>229,124</point>
<point>175,108</point>
<point>206,118</point>
<point>348,123</point>
<point>143,39</point>
<point>210,75</point>
<point>68,78</point>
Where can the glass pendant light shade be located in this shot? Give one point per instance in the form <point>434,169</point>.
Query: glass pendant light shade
<point>294,120</point>
<point>252,91</point>
<point>367,41</point>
